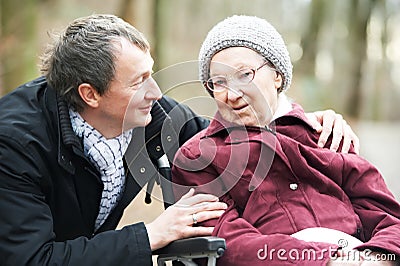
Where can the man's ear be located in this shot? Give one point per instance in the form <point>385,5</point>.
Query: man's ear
<point>89,95</point>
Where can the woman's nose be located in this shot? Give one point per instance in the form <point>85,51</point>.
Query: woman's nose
<point>234,94</point>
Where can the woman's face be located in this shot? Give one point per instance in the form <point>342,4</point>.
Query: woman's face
<point>251,104</point>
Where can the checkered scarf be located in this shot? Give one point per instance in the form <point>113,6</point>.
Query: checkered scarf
<point>106,155</point>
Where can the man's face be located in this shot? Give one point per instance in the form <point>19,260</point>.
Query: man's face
<point>128,101</point>
<point>251,104</point>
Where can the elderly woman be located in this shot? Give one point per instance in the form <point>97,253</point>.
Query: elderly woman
<point>261,157</point>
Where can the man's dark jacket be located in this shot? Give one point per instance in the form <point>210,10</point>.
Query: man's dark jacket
<point>50,193</point>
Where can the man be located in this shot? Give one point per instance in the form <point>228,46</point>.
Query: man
<point>74,153</point>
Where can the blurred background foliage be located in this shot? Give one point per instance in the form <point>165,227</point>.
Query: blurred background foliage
<point>346,53</point>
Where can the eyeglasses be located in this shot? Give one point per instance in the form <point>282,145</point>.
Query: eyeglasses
<point>241,77</point>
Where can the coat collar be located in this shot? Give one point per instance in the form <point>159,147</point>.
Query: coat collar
<point>219,124</point>
<point>233,133</point>
<point>57,112</point>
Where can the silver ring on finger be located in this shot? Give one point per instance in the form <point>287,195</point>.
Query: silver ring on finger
<point>194,218</point>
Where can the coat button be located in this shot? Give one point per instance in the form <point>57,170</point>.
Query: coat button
<point>158,148</point>
<point>169,138</point>
<point>142,170</point>
<point>293,186</point>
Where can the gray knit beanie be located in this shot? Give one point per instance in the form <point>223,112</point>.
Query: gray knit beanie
<point>251,32</point>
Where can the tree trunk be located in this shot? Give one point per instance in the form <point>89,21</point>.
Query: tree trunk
<point>18,50</point>
<point>359,15</point>
<point>309,41</point>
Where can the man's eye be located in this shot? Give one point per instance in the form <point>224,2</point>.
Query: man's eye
<point>142,79</point>
<point>138,82</point>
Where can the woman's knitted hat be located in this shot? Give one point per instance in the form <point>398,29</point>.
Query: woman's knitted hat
<point>251,32</point>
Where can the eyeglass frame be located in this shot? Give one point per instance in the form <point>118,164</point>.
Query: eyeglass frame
<point>254,70</point>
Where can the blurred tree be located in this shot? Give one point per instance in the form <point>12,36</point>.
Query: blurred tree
<point>309,40</point>
<point>156,31</point>
<point>358,18</point>
<point>125,10</point>
<point>345,89</point>
<point>18,46</point>
<point>130,11</point>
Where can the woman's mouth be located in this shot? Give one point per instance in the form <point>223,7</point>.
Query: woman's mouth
<point>238,108</point>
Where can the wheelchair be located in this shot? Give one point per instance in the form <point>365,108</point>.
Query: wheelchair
<point>185,250</point>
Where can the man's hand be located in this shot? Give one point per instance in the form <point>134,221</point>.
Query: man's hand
<point>177,221</point>
<point>327,122</point>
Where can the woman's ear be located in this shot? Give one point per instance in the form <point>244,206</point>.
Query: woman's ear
<point>278,80</point>
<point>89,95</point>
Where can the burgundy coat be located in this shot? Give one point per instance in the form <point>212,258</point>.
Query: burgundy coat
<point>276,182</point>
